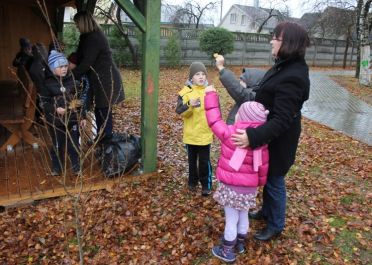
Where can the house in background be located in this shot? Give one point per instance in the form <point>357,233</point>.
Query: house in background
<point>310,22</point>
<point>248,19</point>
<point>172,16</point>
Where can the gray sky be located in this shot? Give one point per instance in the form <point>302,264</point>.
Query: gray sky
<point>296,7</point>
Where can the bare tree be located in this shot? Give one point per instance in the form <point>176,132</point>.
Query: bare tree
<point>191,12</point>
<point>277,9</point>
<point>271,14</point>
<point>338,23</point>
<point>110,11</point>
<point>364,47</point>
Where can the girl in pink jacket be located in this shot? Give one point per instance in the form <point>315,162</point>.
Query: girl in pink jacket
<point>239,172</point>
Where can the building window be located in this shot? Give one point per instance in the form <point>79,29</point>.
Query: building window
<point>244,20</point>
<point>232,18</point>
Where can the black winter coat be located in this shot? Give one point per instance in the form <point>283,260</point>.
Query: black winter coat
<point>104,80</point>
<point>53,97</point>
<point>283,90</point>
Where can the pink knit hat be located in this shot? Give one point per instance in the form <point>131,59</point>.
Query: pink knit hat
<point>252,111</point>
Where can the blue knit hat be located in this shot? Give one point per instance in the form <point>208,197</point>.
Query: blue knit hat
<point>56,59</point>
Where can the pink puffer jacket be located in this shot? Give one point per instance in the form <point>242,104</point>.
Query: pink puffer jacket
<point>246,175</point>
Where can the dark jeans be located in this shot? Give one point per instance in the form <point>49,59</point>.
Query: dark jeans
<point>274,203</point>
<point>58,151</point>
<point>101,115</point>
<point>199,165</point>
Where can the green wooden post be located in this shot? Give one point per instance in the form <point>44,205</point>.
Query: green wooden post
<point>149,24</point>
<point>133,13</point>
<point>150,85</point>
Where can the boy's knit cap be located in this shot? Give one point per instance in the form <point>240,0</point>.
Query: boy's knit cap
<point>252,111</point>
<point>56,59</point>
<point>197,67</point>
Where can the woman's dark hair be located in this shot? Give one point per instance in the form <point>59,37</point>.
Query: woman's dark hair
<point>295,40</point>
<point>85,22</point>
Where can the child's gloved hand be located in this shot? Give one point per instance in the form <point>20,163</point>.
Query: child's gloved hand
<point>210,89</point>
<point>195,102</point>
<point>220,61</point>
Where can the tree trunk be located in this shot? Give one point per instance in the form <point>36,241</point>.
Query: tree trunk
<point>364,74</point>
<point>132,50</point>
<point>357,29</point>
<point>345,52</point>
<point>263,24</point>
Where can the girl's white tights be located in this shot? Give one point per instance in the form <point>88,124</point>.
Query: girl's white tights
<point>237,222</point>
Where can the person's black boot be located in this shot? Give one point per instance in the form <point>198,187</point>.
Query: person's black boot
<point>257,215</point>
<point>266,234</point>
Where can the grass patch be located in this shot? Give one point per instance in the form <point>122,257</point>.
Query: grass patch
<point>191,215</point>
<point>347,242</point>
<point>202,260</point>
<point>351,198</point>
<point>93,250</point>
<point>318,258</point>
<point>337,222</point>
<point>315,171</point>
<point>132,87</point>
<point>73,241</point>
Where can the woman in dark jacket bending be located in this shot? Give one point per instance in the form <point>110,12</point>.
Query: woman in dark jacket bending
<point>94,59</point>
<point>283,90</point>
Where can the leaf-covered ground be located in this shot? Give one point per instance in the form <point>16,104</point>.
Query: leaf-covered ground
<point>352,85</point>
<point>159,221</point>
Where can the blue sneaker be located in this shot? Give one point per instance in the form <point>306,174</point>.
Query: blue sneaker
<point>224,252</point>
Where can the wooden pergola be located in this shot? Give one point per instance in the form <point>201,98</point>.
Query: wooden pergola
<point>22,18</point>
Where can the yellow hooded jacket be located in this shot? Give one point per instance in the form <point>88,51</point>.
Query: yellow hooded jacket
<point>195,130</point>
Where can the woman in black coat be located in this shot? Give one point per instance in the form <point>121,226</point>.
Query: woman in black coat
<point>283,90</point>
<point>95,59</point>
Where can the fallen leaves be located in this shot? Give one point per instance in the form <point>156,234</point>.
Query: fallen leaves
<point>158,221</point>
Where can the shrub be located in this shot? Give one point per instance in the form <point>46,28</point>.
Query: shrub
<point>119,46</point>
<point>70,38</point>
<point>216,40</point>
<point>173,50</point>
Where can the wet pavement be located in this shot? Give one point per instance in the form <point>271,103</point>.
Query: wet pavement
<point>332,105</point>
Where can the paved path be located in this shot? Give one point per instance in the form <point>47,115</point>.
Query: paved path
<point>332,105</point>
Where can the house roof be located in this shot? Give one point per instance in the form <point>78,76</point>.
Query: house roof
<point>308,20</point>
<point>257,14</point>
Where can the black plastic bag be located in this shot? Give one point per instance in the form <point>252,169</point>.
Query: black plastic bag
<point>119,153</point>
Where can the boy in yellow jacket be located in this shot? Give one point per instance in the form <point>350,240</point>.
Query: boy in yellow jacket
<point>197,135</point>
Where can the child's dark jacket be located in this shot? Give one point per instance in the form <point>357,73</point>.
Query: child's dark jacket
<point>54,97</point>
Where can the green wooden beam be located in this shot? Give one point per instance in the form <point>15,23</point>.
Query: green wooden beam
<point>150,85</point>
<point>133,13</point>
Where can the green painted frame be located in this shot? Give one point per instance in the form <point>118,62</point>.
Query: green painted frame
<point>146,15</point>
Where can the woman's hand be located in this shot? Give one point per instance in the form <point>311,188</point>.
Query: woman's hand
<point>240,138</point>
<point>61,111</point>
<point>210,89</point>
<point>220,61</point>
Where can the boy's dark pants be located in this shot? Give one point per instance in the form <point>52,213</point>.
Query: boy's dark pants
<point>203,172</point>
<point>57,152</point>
